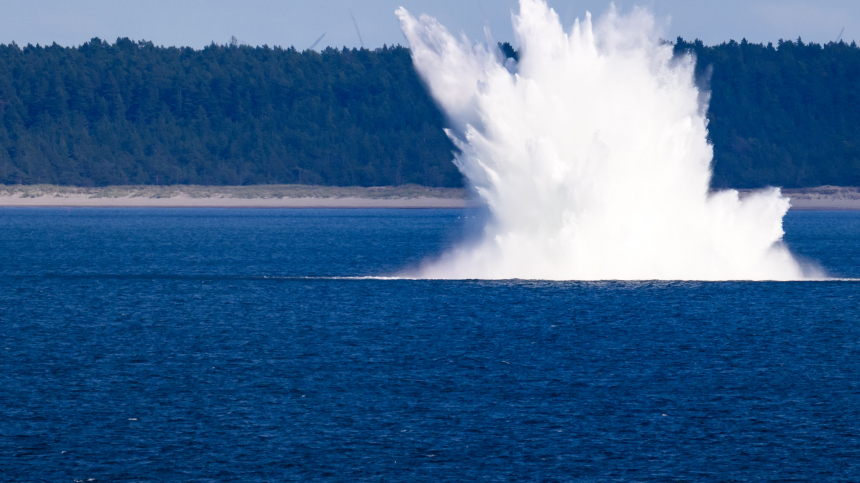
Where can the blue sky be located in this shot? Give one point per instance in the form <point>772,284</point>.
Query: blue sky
<point>299,23</point>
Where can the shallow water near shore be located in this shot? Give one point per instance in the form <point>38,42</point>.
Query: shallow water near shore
<point>227,345</point>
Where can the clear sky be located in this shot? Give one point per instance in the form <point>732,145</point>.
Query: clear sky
<point>299,23</point>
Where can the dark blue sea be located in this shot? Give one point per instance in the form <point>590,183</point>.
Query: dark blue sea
<point>215,345</point>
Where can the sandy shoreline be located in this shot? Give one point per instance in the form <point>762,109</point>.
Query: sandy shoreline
<point>224,202</point>
<point>268,196</point>
<point>301,196</point>
<point>822,198</point>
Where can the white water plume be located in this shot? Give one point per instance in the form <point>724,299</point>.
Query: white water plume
<point>592,157</point>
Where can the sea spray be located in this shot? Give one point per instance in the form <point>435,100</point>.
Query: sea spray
<point>591,155</point>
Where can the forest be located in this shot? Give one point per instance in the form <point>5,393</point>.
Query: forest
<point>785,115</point>
<point>131,112</point>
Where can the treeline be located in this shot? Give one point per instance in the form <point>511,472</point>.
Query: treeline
<point>785,115</point>
<point>133,113</point>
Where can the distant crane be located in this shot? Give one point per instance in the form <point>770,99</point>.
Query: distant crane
<point>840,35</point>
<point>236,42</point>
<point>360,41</point>
<point>317,41</point>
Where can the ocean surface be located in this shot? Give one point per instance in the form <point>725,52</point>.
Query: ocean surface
<point>210,345</point>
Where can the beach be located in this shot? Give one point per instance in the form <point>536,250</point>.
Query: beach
<point>259,196</point>
<point>307,196</point>
<point>824,198</point>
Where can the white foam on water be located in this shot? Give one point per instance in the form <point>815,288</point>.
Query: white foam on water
<point>591,155</point>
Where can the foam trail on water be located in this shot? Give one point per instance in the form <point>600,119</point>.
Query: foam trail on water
<point>592,157</point>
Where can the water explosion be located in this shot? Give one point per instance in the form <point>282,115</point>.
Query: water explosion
<point>591,155</point>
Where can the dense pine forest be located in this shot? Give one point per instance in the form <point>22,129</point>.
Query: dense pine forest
<point>134,113</point>
<point>784,115</point>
